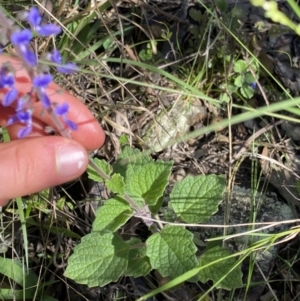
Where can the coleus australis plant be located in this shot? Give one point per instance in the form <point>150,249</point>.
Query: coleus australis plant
<point>136,181</point>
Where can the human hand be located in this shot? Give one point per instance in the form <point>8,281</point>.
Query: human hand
<point>39,161</point>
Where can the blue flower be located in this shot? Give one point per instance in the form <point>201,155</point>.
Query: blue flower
<point>62,110</point>
<point>67,68</point>
<point>42,80</point>
<point>23,117</point>
<point>56,58</point>
<point>25,131</point>
<point>29,56</point>
<point>21,37</point>
<point>7,79</point>
<point>34,19</point>
<point>48,30</point>
<point>45,100</point>
<point>10,97</point>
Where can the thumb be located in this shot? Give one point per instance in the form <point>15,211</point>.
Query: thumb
<point>33,164</point>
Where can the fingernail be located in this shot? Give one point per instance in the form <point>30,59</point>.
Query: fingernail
<point>70,160</point>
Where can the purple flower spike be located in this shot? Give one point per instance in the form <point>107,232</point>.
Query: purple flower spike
<point>33,17</point>
<point>21,37</point>
<point>9,97</point>
<point>48,30</point>
<point>42,80</point>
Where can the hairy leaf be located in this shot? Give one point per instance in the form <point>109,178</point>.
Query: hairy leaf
<point>112,215</point>
<point>172,251</point>
<point>103,165</point>
<point>196,199</point>
<point>222,268</point>
<point>98,259</point>
<point>138,263</point>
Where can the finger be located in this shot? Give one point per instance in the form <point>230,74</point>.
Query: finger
<point>89,132</point>
<point>33,164</point>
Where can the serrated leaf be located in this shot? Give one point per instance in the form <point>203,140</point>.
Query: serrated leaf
<point>98,260</point>
<point>196,199</point>
<point>239,81</point>
<point>150,181</point>
<point>116,184</point>
<point>103,165</point>
<point>247,92</point>
<point>216,272</point>
<point>112,215</point>
<point>138,262</point>
<point>172,251</point>
<point>240,66</point>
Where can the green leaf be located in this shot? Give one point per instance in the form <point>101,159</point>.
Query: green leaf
<point>232,88</point>
<point>215,272</point>
<point>138,262</point>
<point>222,5</point>
<point>116,184</point>
<point>224,97</point>
<point>103,165</point>
<point>108,43</point>
<point>157,207</point>
<point>150,181</point>
<point>124,140</point>
<point>130,161</point>
<point>196,15</point>
<point>240,66</point>
<point>249,78</point>
<point>196,199</point>
<point>247,92</point>
<point>14,270</point>
<point>98,260</point>
<point>172,251</point>
<point>145,55</point>
<point>112,215</point>
<point>239,81</point>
